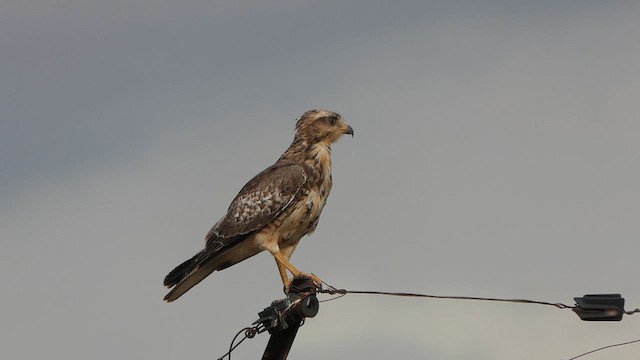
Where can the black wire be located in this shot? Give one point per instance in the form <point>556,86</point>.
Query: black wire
<point>631,312</point>
<point>334,291</point>
<point>333,298</point>
<point>605,347</point>
<point>342,292</point>
<point>249,332</point>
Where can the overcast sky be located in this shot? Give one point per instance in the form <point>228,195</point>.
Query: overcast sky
<point>496,154</point>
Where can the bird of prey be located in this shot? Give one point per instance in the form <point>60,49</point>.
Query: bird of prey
<point>274,210</point>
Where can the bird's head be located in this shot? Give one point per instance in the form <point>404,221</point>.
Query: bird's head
<point>321,126</point>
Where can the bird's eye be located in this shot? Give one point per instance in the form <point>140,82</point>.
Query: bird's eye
<point>332,120</point>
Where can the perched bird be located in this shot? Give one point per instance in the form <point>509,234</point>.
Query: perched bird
<point>274,210</point>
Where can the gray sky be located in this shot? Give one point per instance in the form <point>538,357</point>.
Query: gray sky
<point>496,154</point>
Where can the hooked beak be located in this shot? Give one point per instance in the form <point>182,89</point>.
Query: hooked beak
<point>348,131</point>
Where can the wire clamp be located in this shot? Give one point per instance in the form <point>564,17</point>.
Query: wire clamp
<point>301,302</point>
<point>600,307</point>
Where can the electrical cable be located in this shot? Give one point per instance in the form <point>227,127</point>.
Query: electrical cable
<point>251,332</point>
<point>605,347</point>
<point>333,291</point>
<point>342,292</point>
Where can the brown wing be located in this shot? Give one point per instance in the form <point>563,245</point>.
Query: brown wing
<point>257,203</point>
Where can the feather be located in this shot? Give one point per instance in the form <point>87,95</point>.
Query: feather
<point>274,210</point>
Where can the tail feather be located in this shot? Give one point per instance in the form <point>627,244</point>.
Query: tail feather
<point>182,270</point>
<point>191,279</point>
<point>191,272</point>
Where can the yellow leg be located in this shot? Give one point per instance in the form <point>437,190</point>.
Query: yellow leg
<point>283,274</point>
<point>283,263</point>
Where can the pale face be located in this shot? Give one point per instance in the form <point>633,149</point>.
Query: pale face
<point>322,126</point>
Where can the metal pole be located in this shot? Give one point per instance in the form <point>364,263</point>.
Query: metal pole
<point>280,343</point>
<point>284,317</point>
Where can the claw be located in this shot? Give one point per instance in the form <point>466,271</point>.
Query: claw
<point>287,286</point>
<point>316,280</point>
<point>303,282</point>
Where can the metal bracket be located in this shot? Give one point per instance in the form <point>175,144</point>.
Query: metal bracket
<point>283,318</point>
<point>601,307</point>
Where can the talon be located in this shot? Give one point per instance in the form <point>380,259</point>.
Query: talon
<point>284,265</point>
<point>316,280</point>
<point>287,285</point>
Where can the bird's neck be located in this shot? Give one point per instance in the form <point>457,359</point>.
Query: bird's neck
<point>315,155</point>
<point>301,150</point>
